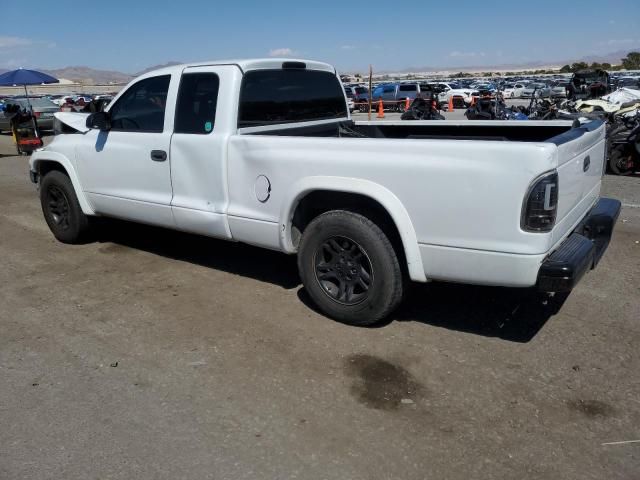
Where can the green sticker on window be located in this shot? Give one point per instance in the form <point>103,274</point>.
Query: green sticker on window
<point>208,127</point>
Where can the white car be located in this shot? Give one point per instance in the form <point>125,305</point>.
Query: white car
<point>513,90</point>
<point>351,104</point>
<point>265,152</point>
<point>451,90</point>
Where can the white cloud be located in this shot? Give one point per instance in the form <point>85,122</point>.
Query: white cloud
<point>458,54</point>
<point>13,42</point>
<point>348,47</point>
<point>12,63</point>
<point>281,52</point>
<point>618,41</point>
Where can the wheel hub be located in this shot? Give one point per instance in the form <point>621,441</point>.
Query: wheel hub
<point>343,270</point>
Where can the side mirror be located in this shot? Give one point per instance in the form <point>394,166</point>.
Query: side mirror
<point>99,121</point>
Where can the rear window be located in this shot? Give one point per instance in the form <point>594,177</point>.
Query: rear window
<point>283,96</point>
<point>408,88</point>
<point>197,101</point>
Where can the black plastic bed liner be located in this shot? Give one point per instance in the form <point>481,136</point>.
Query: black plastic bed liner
<point>518,132</point>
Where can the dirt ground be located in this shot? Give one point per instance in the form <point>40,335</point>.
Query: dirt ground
<point>151,354</point>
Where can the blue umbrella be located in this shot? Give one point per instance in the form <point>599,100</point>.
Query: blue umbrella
<point>25,77</point>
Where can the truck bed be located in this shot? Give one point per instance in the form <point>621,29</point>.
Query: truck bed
<point>511,131</point>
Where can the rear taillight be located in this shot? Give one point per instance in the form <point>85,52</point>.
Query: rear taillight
<point>541,204</point>
<point>36,114</point>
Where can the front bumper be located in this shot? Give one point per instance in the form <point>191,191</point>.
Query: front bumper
<point>582,250</point>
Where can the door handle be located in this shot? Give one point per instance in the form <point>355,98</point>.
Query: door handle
<point>158,155</point>
<point>586,163</point>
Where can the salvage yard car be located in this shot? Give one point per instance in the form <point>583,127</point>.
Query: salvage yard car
<point>265,152</point>
<point>43,109</point>
<point>395,95</point>
<point>536,90</point>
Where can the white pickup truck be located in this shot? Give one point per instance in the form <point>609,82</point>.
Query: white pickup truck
<point>265,152</point>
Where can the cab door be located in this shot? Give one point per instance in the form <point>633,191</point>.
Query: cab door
<point>204,120</point>
<point>126,171</point>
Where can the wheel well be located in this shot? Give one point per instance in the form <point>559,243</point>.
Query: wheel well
<point>46,166</point>
<point>321,201</point>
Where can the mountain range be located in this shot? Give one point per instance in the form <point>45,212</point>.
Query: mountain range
<point>88,75</point>
<point>92,76</point>
<point>613,58</point>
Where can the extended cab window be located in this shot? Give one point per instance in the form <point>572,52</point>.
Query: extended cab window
<point>197,101</point>
<point>289,95</point>
<point>408,88</point>
<point>141,108</point>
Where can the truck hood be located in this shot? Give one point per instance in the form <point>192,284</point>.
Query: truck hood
<point>77,121</point>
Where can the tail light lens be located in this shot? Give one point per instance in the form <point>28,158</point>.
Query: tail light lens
<point>36,114</point>
<point>541,204</point>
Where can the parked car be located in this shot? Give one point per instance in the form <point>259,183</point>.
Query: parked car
<point>513,90</point>
<point>274,167</point>
<point>42,108</point>
<point>559,88</point>
<point>537,90</point>
<point>445,90</point>
<point>589,83</point>
<point>628,82</point>
<point>361,97</point>
<point>484,86</point>
<point>394,95</point>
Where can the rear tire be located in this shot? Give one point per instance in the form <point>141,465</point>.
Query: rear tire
<point>61,208</point>
<point>619,159</point>
<point>350,268</point>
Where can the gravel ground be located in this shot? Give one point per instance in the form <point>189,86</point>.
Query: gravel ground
<point>151,354</point>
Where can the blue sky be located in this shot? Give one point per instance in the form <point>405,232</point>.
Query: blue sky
<point>131,35</point>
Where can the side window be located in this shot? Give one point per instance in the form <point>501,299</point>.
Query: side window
<point>389,89</point>
<point>141,108</point>
<point>197,101</point>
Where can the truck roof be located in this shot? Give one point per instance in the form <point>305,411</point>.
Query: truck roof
<point>246,65</point>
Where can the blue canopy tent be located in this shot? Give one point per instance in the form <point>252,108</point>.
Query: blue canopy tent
<point>25,77</point>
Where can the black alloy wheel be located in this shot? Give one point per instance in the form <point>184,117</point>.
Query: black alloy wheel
<point>61,208</point>
<point>343,270</point>
<point>58,205</point>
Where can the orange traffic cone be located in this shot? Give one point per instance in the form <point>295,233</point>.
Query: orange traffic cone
<point>380,109</point>
<point>407,104</point>
<point>450,107</point>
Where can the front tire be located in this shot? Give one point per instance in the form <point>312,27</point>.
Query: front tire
<point>350,268</point>
<point>61,208</point>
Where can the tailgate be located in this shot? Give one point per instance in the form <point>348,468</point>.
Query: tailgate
<point>581,155</point>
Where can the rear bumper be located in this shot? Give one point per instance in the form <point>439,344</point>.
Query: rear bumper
<point>582,250</point>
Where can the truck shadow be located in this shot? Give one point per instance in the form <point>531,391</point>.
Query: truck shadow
<point>512,314</point>
<point>236,258</point>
